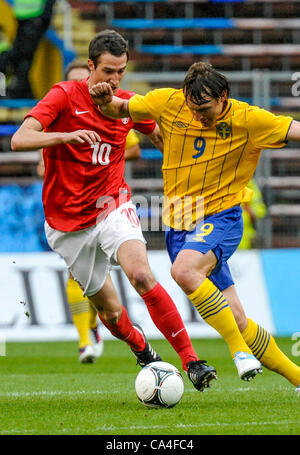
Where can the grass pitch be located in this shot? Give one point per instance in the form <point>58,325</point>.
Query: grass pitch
<point>45,391</point>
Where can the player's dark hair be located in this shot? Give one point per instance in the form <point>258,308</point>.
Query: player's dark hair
<point>107,41</point>
<point>201,80</point>
<point>76,64</point>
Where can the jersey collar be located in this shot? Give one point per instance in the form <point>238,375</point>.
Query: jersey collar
<point>226,111</point>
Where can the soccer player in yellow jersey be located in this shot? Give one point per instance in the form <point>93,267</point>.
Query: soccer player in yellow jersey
<point>212,145</point>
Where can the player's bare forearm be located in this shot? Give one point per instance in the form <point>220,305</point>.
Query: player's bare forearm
<point>30,136</point>
<point>294,131</point>
<point>110,105</point>
<point>28,139</point>
<point>156,139</point>
<point>118,108</point>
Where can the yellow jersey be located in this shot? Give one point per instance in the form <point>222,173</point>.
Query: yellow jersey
<point>132,139</point>
<point>215,162</point>
<point>258,209</point>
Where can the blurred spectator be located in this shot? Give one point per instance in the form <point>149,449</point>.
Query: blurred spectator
<point>252,211</point>
<point>4,44</point>
<point>77,70</point>
<point>34,17</point>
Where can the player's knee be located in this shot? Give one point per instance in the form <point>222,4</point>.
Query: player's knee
<point>182,277</point>
<point>111,317</point>
<point>186,277</point>
<point>142,280</point>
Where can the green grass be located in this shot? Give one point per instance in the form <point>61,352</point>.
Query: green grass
<point>45,391</point>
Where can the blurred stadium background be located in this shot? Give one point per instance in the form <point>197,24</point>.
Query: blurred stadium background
<point>257,45</point>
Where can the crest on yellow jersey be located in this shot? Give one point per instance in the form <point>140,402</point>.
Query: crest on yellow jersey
<point>224,130</point>
<point>181,125</point>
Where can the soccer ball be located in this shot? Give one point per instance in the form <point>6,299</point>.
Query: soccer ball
<point>159,385</point>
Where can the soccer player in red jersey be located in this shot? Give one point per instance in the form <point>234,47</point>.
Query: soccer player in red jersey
<point>90,220</point>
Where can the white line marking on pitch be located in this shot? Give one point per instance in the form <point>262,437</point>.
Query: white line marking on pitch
<point>54,393</point>
<point>112,428</point>
<point>200,425</point>
<point>239,389</point>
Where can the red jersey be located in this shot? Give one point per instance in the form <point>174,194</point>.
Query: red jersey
<point>83,182</point>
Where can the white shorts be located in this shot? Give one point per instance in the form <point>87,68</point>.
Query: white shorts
<point>89,253</point>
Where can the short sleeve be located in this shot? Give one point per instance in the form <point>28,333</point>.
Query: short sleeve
<point>267,130</point>
<point>150,105</point>
<point>47,110</point>
<point>145,127</point>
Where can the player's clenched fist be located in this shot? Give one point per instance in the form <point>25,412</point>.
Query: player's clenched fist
<point>81,136</point>
<point>102,93</point>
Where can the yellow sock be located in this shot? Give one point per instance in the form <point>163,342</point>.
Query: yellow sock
<point>214,309</point>
<point>79,306</point>
<point>266,350</point>
<point>93,317</point>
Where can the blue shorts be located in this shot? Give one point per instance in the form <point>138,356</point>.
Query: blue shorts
<point>220,233</point>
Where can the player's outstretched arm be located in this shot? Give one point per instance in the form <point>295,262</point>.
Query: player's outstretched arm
<point>30,136</point>
<point>294,131</point>
<point>110,105</point>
